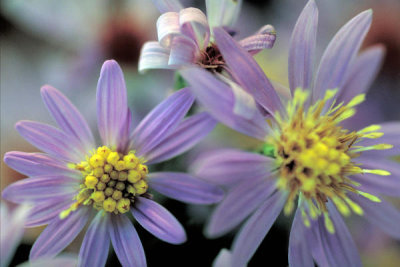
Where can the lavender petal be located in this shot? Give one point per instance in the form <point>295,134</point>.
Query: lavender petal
<point>193,24</point>
<point>185,187</point>
<point>112,104</point>
<point>220,101</point>
<point>43,213</point>
<point>238,205</point>
<point>153,56</point>
<point>162,120</point>
<point>158,221</point>
<point>95,245</point>
<point>167,5</point>
<point>263,39</point>
<point>223,259</point>
<point>59,234</point>
<point>50,140</point>
<point>302,48</point>
<point>256,228</point>
<point>183,52</point>
<point>68,117</point>
<point>340,54</point>
<point>167,28</point>
<point>188,133</point>
<point>126,242</point>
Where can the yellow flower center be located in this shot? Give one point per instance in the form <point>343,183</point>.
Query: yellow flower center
<point>314,155</point>
<point>110,181</point>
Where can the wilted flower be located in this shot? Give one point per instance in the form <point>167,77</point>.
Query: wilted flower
<point>309,160</point>
<point>76,180</point>
<point>185,36</point>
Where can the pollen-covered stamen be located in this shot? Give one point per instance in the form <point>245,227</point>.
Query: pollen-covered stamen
<point>110,181</point>
<point>211,59</point>
<point>314,156</point>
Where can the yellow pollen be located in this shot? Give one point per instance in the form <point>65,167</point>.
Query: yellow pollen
<point>314,156</point>
<point>110,181</point>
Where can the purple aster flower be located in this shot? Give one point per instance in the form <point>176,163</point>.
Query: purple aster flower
<point>75,181</point>
<point>185,36</point>
<point>310,161</point>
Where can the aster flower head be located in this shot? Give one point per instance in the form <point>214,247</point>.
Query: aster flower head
<point>74,180</point>
<point>185,36</point>
<point>309,160</point>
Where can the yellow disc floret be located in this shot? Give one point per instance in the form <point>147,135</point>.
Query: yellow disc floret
<point>314,155</point>
<point>110,181</point>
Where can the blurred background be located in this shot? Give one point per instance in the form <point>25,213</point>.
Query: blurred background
<point>64,43</point>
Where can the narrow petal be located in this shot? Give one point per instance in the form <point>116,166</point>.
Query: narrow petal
<point>263,39</point>
<point>51,140</point>
<point>226,166</point>
<point>162,120</point>
<point>43,213</point>
<point>34,164</point>
<point>193,24</point>
<point>183,52</point>
<point>299,253</point>
<point>339,247</point>
<point>362,73</point>
<point>59,234</point>
<point>223,12</point>
<point>247,72</point>
<point>224,257</point>
<point>302,48</point>
<point>125,133</point>
<point>95,245</point>
<point>158,221</point>
<point>167,28</point>
<point>126,242</point>
<point>238,204</point>
<point>153,56</point>
<point>185,187</point>
<point>112,104</point>
<point>382,214</point>
<point>67,116</point>
<point>388,185</point>
<point>340,53</point>
<point>221,102</point>
<point>167,5</point>
<point>256,228</point>
<point>62,260</point>
<point>36,189</point>
<point>188,133</point>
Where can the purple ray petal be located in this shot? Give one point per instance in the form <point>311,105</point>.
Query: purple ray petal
<point>112,104</point>
<point>183,52</point>
<point>34,164</point>
<point>42,188</point>
<point>162,120</point>
<point>223,12</point>
<point>220,101</point>
<point>314,242</point>
<point>95,245</point>
<point>302,48</point>
<point>247,72</point>
<point>226,166</point>
<point>185,187</point>
<point>51,140</point>
<point>67,116</point>
<point>59,234</point>
<point>362,73</point>
<point>188,133</point>
<point>126,242</point>
<point>388,185</point>
<point>43,213</point>
<point>382,214</point>
<point>299,253</point>
<point>238,204</point>
<point>153,56</point>
<point>194,24</point>
<point>158,221</point>
<point>224,257</point>
<point>263,39</point>
<point>168,28</point>
<point>256,228</point>
<point>125,133</point>
<point>340,53</point>
<point>167,5</point>
<point>339,247</point>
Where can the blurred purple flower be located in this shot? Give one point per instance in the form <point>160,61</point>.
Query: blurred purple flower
<point>185,36</point>
<point>308,156</point>
<point>74,180</point>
